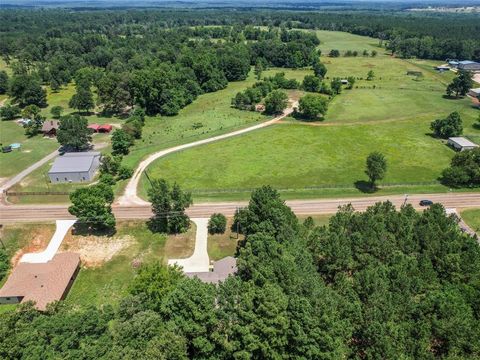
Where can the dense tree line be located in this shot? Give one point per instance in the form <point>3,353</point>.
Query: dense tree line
<point>436,36</point>
<point>383,283</point>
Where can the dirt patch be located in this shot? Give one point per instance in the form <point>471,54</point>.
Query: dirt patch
<point>96,250</point>
<point>369,65</point>
<point>181,246</point>
<point>37,239</point>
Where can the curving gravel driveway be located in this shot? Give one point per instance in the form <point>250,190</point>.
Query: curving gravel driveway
<point>130,196</point>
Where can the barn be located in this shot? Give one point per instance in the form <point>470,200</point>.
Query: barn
<point>75,167</point>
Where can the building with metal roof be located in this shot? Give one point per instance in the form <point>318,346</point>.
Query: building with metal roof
<point>461,143</point>
<point>75,167</point>
<point>222,269</point>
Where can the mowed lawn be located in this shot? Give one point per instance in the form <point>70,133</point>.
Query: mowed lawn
<point>392,94</point>
<point>31,150</point>
<point>295,156</point>
<point>472,218</point>
<point>342,41</point>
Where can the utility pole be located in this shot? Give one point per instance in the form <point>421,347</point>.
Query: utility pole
<point>1,241</point>
<point>406,199</point>
<point>148,178</point>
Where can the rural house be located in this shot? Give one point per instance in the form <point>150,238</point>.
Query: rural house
<point>474,93</point>
<point>42,283</point>
<point>106,128</point>
<point>50,127</point>
<point>75,167</point>
<point>222,269</point>
<point>461,143</point>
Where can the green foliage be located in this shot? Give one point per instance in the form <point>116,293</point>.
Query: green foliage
<point>276,102</point>
<point>334,53</point>
<point>30,112</point>
<point>110,164</point>
<point>73,132</point>
<point>56,111</point>
<point>4,264</point>
<point>9,112</point>
<point>121,142</point>
<point>3,82</point>
<point>26,90</point>
<point>312,83</point>
<point>312,106</point>
<point>107,179</point>
<point>92,206</point>
<point>464,170</point>
<point>461,84</point>
<point>168,206</point>
<point>124,173</point>
<point>82,100</point>
<point>351,82</point>
<point>336,86</point>
<point>319,69</point>
<point>370,75</point>
<point>154,282</point>
<point>217,224</point>
<point>376,167</point>
<point>114,93</point>
<point>448,127</point>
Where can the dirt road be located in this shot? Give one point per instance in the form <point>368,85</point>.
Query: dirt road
<point>16,213</point>
<point>130,195</point>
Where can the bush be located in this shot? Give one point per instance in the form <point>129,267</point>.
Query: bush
<point>4,264</point>
<point>464,170</point>
<point>124,173</point>
<point>107,179</point>
<point>448,127</point>
<point>9,112</point>
<point>217,224</point>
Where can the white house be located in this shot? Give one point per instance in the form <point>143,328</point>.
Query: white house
<point>460,143</point>
<point>75,167</point>
<point>474,92</point>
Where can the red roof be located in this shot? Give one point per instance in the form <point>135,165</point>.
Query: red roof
<point>93,126</point>
<point>106,127</point>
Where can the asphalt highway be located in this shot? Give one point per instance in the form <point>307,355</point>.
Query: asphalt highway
<point>25,213</point>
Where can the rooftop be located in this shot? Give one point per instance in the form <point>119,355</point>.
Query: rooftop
<point>222,269</point>
<point>462,141</point>
<point>42,283</point>
<point>74,162</point>
<point>49,125</point>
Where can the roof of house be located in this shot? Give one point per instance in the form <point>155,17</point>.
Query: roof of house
<point>476,90</point>
<point>461,141</point>
<point>50,125</point>
<point>42,283</point>
<point>222,269</point>
<point>74,162</point>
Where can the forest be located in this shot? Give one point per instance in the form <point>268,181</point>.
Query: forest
<point>385,283</point>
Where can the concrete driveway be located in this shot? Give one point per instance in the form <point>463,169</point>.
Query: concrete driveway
<point>46,255</point>
<point>199,261</point>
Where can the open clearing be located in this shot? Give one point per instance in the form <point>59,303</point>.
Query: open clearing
<point>392,114</point>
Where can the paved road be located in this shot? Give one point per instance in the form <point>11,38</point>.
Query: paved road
<point>57,238</point>
<point>199,261</point>
<point>16,213</point>
<point>130,195</point>
<point>17,178</point>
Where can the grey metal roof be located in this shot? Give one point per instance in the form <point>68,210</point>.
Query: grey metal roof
<point>222,269</point>
<point>74,162</point>
<point>461,141</point>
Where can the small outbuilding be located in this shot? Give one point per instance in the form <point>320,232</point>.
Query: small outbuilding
<point>75,167</point>
<point>461,143</point>
<point>42,283</point>
<point>106,128</point>
<point>50,127</point>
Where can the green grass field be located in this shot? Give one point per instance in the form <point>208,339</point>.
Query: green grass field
<point>32,149</point>
<point>107,282</point>
<point>391,114</point>
<point>472,218</point>
<point>295,156</point>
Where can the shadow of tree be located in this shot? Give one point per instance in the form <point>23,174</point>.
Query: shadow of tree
<point>85,229</point>
<point>365,186</point>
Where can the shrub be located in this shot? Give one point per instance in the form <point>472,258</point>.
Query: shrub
<point>217,224</point>
<point>124,173</point>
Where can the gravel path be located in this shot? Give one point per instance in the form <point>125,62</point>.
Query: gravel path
<point>130,196</point>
